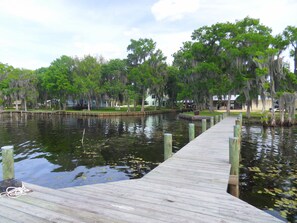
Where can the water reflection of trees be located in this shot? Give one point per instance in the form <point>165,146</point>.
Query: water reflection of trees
<point>133,145</point>
<point>269,172</point>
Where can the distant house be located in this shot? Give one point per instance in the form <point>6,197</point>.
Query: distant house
<point>151,100</point>
<point>220,103</point>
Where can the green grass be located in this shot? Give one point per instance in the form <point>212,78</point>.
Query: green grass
<point>205,113</point>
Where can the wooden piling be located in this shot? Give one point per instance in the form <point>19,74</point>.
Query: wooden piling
<point>216,119</point>
<point>7,162</point>
<point>234,155</point>
<point>203,128</point>
<point>240,119</point>
<point>211,121</point>
<point>234,160</point>
<point>191,131</point>
<point>237,122</point>
<point>167,145</point>
<point>237,131</point>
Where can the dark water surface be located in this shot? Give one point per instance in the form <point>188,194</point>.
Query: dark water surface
<point>49,152</point>
<point>269,170</point>
<point>49,149</point>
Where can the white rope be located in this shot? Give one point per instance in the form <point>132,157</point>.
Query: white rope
<point>14,192</point>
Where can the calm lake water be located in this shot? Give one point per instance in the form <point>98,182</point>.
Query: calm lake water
<point>49,152</point>
<point>269,170</point>
<point>49,149</point>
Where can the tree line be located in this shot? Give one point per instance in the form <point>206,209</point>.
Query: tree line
<point>241,57</point>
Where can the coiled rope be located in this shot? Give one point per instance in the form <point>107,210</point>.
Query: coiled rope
<point>14,192</point>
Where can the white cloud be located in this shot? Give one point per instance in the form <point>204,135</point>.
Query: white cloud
<point>31,10</point>
<point>103,48</point>
<point>35,32</point>
<point>174,9</point>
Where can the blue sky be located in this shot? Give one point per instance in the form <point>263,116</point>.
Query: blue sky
<point>33,33</point>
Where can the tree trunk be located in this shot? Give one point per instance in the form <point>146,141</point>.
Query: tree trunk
<point>89,103</point>
<point>142,102</point>
<point>160,99</point>
<point>248,109</point>
<point>289,119</point>
<point>60,103</point>
<point>135,103</point>
<point>211,108</point>
<point>16,105</point>
<point>281,110</point>
<point>263,100</point>
<point>273,122</point>
<point>282,117</point>
<point>127,99</point>
<point>229,103</point>
<point>25,104</point>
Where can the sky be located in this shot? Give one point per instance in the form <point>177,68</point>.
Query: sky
<point>33,33</point>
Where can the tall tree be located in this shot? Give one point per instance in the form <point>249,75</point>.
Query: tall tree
<point>27,83</point>
<point>41,85</point>
<point>159,76</point>
<point>87,77</point>
<point>5,70</point>
<point>59,79</point>
<point>139,59</point>
<point>172,87</point>
<point>251,38</point>
<point>114,79</point>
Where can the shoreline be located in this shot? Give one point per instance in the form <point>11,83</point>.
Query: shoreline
<point>94,113</point>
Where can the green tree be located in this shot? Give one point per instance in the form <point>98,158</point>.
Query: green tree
<point>140,59</point>
<point>5,70</point>
<point>114,79</point>
<point>251,39</point>
<point>87,77</point>
<point>159,76</point>
<point>59,79</point>
<point>27,82</point>
<point>41,85</point>
<point>184,62</point>
<point>172,87</point>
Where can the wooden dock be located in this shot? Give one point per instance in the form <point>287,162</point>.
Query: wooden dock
<point>188,187</point>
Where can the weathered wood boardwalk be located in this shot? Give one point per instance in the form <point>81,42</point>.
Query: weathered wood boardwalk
<point>189,187</point>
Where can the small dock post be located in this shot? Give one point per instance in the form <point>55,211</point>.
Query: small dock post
<point>234,160</point>
<point>216,119</point>
<point>191,131</point>
<point>237,133</point>
<point>203,125</point>
<point>8,170</point>
<point>211,121</point>
<point>167,145</point>
<point>237,130</point>
<point>240,118</point>
<point>7,162</point>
